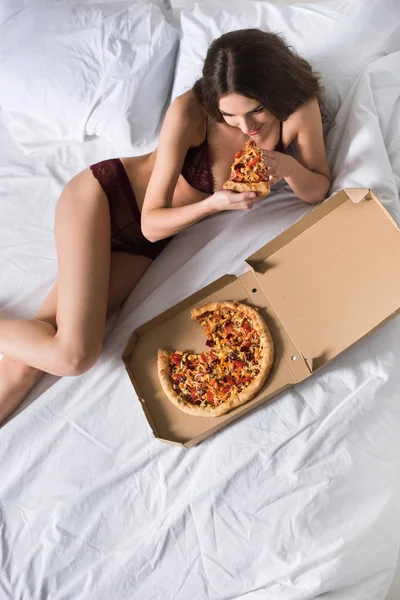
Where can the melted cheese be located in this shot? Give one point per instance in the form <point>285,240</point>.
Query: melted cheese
<point>227,368</point>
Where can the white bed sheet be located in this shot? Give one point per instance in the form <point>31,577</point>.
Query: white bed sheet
<point>297,500</point>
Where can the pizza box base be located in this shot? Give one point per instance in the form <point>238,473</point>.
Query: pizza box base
<point>321,286</point>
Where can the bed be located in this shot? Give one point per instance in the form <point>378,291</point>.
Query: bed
<point>299,499</point>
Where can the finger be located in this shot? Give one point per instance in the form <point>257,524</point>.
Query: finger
<point>247,205</point>
<point>270,164</point>
<point>244,197</point>
<point>256,200</point>
<point>269,156</point>
<point>274,180</point>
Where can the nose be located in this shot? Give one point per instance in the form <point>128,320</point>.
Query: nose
<point>245,125</point>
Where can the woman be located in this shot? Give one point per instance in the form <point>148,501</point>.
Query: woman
<point>253,86</point>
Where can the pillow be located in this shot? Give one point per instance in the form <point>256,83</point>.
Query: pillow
<point>70,71</point>
<point>10,7</point>
<point>339,37</point>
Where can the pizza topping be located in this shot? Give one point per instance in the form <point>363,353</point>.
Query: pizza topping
<point>248,166</point>
<point>227,368</point>
<point>254,161</point>
<point>176,358</point>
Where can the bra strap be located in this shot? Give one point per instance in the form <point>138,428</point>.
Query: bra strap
<point>280,147</point>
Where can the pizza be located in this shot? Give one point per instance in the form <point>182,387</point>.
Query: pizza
<point>233,369</point>
<point>248,172</point>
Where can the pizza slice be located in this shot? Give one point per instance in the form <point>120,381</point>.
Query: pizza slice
<point>230,373</point>
<point>248,172</point>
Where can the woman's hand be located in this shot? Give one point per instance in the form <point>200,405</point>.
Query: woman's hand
<point>229,200</point>
<point>278,165</point>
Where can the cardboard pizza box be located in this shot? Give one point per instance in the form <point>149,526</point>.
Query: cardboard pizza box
<point>322,285</point>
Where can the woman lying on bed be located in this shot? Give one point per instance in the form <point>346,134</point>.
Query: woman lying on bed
<point>253,87</point>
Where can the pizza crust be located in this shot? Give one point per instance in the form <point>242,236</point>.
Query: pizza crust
<point>266,344</point>
<point>262,187</point>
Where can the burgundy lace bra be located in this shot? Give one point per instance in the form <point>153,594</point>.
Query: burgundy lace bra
<point>196,169</point>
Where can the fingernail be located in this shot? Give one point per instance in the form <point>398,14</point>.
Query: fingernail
<point>252,196</point>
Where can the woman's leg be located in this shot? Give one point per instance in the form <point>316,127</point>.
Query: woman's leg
<point>66,335</point>
<point>82,231</point>
<point>16,378</point>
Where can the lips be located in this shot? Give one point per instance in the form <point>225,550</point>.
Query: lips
<point>254,132</point>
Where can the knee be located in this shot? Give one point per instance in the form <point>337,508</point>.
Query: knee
<point>74,360</point>
<point>78,365</point>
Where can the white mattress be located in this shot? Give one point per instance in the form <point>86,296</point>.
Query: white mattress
<point>298,499</point>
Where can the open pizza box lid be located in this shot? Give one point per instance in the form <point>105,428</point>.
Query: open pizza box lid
<point>321,286</point>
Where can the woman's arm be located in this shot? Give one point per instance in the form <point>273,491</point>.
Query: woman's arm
<point>160,219</point>
<point>309,176</point>
<point>308,185</point>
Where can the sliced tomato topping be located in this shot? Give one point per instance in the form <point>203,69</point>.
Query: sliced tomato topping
<point>238,176</point>
<point>239,154</point>
<point>246,326</point>
<point>210,398</point>
<point>176,358</point>
<point>239,363</point>
<point>254,161</point>
<point>204,357</point>
<point>213,355</point>
<point>193,393</point>
<point>228,329</point>
<point>177,376</point>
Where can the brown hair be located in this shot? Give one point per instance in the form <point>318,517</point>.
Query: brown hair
<point>258,65</point>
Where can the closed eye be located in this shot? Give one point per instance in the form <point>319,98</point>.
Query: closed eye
<point>257,109</point>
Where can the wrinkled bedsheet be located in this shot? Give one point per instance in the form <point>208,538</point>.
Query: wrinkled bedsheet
<point>297,500</point>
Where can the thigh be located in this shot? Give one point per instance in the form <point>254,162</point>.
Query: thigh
<point>83,242</point>
<point>126,270</point>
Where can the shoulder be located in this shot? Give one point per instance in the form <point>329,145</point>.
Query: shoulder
<point>305,116</point>
<point>305,121</point>
<point>186,114</point>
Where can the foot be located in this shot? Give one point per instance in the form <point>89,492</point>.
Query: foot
<point>16,380</point>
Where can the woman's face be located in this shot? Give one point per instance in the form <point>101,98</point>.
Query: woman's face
<point>248,115</point>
